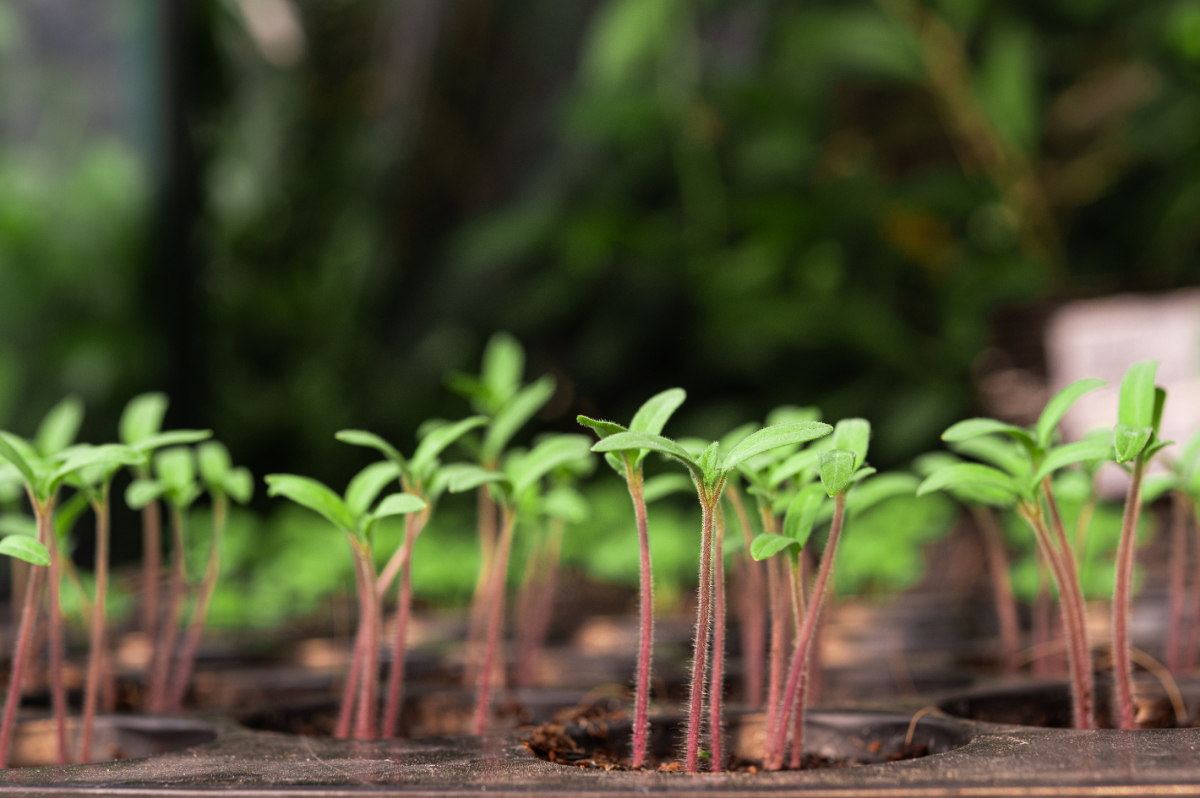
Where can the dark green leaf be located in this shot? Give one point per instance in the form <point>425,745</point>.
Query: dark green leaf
<point>24,548</point>
<point>514,415</point>
<point>768,544</point>
<point>437,440</point>
<point>1135,408</point>
<point>772,438</point>
<point>1072,453</point>
<point>853,435</point>
<point>358,437</point>
<point>399,504</point>
<point>1058,406</point>
<point>366,485</point>
<point>142,417</point>
<point>657,487</point>
<point>974,477</point>
<point>602,428</point>
<point>1129,441</point>
<point>653,415</point>
<point>837,467</point>
<point>973,427</point>
<point>802,513</point>
<point>313,495</point>
<point>60,426</point>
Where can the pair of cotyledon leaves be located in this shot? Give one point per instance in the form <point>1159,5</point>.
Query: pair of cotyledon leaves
<point>1022,467</point>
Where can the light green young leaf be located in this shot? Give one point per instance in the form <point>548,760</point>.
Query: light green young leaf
<point>502,368</point>
<point>973,427</point>
<point>514,415</point>
<point>143,491</point>
<point>792,466</point>
<point>622,441</point>
<point>837,467</point>
<point>657,487</point>
<point>214,462</point>
<point>1155,486</point>
<point>18,524</point>
<point>710,462</point>
<point>312,495</point>
<point>929,462</point>
<point>175,437</point>
<point>436,442</point>
<point>1135,408</point>
<point>853,435</point>
<point>25,548</point>
<point>399,504</point>
<point>997,450</point>
<point>654,413</point>
<point>366,485</point>
<point>60,426</point>
<point>68,512</point>
<point>96,464</point>
<point>554,451</point>
<point>1160,402</point>
<point>16,452</point>
<point>176,468</point>
<point>786,413</point>
<point>802,513</point>
<point>768,544</point>
<point>1072,453</point>
<point>239,484</point>
<point>972,476</point>
<point>358,437</point>
<point>602,428</point>
<point>736,435</point>
<point>772,438</point>
<point>1058,406</point>
<point>863,497</point>
<point>1130,441</point>
<point>1155,447</point>
<point>142,417</point>
<point>465,477</point>
<point>567,505</point>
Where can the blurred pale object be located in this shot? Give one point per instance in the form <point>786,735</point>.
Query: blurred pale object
<point>1103,337</point>
<point>275,27</point>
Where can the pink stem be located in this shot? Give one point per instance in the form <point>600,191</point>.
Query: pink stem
<point>151,565</point>
<point>486,521</point>
<point>364,726</point>
<point>98,622</point>
<point>1122,592</point>
<point>718,658</point>
<point>164,651</point>
<point>798,610</point>
<point>641,713</point>
<point>350,689</point>
<point>778,630</point>
<point>1178,584</point>
<point>804,639</point>
<point>483,701</point>
<point>1002,594</point>
<point>523,621</point>
<point>33,584</point>
<point>195,631</point>
<point>700,652</point>
<point>753,622</point>
<point>413,524</point>
<point>1079,651</point>
<point>57,692</point>
<point>1041,620</point>
<point>541,610</point>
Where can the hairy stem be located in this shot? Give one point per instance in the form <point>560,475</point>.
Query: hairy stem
<point>752,607</point>
<point>58,696</point>
<point>486,522</point>
<point>483,698</point>
<point>804,638</point>
<point>641,711</point>
<point>700,651</point>
<point>717,685</point>
<point>1002,593</point>
<point>1079,650</point>
<point>796,580</point>
<point>97,646</point>
<point>165,650</point>
<point>1122,592</point>
<point>33,585</point>
<point>191,640</point>
<point>413,525</point>
<point>1178,583</point>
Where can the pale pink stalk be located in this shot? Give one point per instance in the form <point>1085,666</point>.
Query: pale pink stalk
<point>804,639</point>
<point>33,584</point>
<point>751,607</point>
<point>778,631</point>
<point>523,616</point>
<point>58,697</point>
<point>98,624</point>
<point>1178,583</point>
<point>483,699</point>
<point>641,711</point>
<point>1041,620</point>
<point>364,726</point>
<point>541,606</point>
<point>700,652</point>
<point>717,686</point>
<point>1002,593</point>
<point>798,610</point>
<point>164,650</point>
<point>195,631</point>
<point>350,688</point>
<point>151,565</point>
<point>1079,650</point>
<point>1122,592</point>
<point>486,522</point>
<point>413,524</point>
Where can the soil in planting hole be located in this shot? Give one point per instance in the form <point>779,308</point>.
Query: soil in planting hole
<point>1049,706</point>
<point>598,738</point>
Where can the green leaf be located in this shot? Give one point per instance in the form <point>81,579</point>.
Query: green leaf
<point>929,462</point>
<point>837,467</point>
<point>602,428</point>
<point>1072,453</point>
<point>239,484</point>
<point>1160,402</point>
<point>60,426</point>
<point>567,505</point>
<point>176,468</point>
<point>792,466</point>
<point>554,451</point>
<point>502,368</point>
<point>657,487</point>
<point>768,544</point>
<point>622,441</point>
<point>973,477</point>
<point>366,485</point>
<point>102,461</point>
<point>802,513</point>
<point>1155,447</point>
<point>863,497</point>
<point>313,495</point>
<point>773,437</point>
<point>736,435</point>
<point>1155,486</point>
<point>653,415</point>
<point>710,461</point>
<point>853,435</point>
<point>1004,453</point>
<point>466,477</point>
<point>175,437</point>
<point>18,524</point>
<point>68,512</point>
<point>862,474</point>
<point>399,504</point>
<point>214,462</point>
<point>1129,441</point>
<point>436,442</point>
<point>15,451</point>
<point>143,491</point>
<point>358,437</point>
<point>974,427</point>
<point>142,417</point>
<point>26,549</point>
<point>514,415</point>
<point>1135,408</point>
<point>786,413</point>
<point>1058,406</point>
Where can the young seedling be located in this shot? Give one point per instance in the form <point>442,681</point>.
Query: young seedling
<point>1136,441</point>
<point>497,394</point>
<point>352,515</point>
<point>710,472</point>
<point>223,482</point>
<point>522,471</point>
<point>650,419</point>
<point>1024,480</point>
<point>425,477</point>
